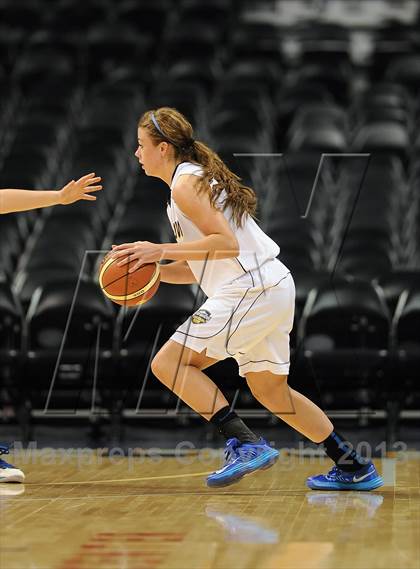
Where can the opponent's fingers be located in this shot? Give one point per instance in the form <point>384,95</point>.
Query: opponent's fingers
<point>90,182</point>
<point>92,189</point>
<point>89,198</point>
<point>86,177</point>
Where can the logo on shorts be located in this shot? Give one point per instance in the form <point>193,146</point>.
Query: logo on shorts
<point>201,317</point>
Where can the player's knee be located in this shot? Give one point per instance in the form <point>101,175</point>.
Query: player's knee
<point>159,367</point>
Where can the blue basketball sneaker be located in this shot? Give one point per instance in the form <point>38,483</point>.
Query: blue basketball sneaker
<point>9,473</point>
<point>242,459</point>
<point>365,478</point>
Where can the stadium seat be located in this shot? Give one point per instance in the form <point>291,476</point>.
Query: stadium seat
<point>290,99</point>
<point>321,138</point>
<point>336,79</point>
<point>240,95</point>
<point>188,97</point>
<point>345,333</point>
<point>255,39</point>
<point>323,43</point>
<point>199,44</point>
<point>68,346</point>
<point>25,16</point>
<point>395,283</point>
<point>109,46</point>
<point>383,137</point>
<point>321,114</point>
<point>146,17</point>
<point>405,70</point>
<point>35,68</point>
<point>11,349</point>
<point>28,280</point>
<point>404,388</point>
<point>14,230</point>
<point>201,72</point>
<point>255,70</point>
<point>11,327</point>
<point>235,123</point>
<point>76,17</point>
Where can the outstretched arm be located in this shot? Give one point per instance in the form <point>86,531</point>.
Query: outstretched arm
<point>13,200</point>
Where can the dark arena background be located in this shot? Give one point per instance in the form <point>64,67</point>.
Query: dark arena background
<point>315,105</point>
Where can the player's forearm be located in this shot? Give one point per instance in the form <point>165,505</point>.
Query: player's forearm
<point>12,200</point>
<point>210,248</point>
<point>177,272</point>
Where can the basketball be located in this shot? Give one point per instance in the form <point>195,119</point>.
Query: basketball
<point>128,289</point>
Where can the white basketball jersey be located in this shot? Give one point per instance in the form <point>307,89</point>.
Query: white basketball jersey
<point>255,247</point>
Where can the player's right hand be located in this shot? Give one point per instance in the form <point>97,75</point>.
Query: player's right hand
<point>80,189</point>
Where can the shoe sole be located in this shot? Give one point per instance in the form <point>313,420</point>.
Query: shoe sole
<point>15,478</point>
<point>376,482</point>
<point>269,460</point>
<point>11,475</point>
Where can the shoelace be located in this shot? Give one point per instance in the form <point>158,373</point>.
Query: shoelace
<point>332,472</point>
<point>234,450</point>
<point>247,453</point>
<point>231,453</point>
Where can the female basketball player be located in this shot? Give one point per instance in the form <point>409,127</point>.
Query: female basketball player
<point>13,200</point>
<point>249,311</point>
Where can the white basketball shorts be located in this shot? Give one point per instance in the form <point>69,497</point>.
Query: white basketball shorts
<point>249,319</point>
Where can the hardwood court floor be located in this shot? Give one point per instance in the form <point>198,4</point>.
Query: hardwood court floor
<point>89,513</point>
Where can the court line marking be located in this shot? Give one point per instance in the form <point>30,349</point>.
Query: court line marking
<point>29,514</point>
<point>166,477</point>
<point>204,492</point>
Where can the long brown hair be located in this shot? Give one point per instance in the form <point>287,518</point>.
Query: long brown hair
<point>169,125</point>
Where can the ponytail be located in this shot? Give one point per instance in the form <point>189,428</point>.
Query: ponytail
<point>240,198</point>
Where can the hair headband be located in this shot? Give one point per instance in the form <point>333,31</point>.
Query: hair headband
<point>156,125</point>
<point>154,121</point>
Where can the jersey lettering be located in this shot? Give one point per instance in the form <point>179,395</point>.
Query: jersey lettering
<point>179,235</point>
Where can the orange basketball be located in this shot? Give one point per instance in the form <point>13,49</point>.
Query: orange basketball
<point>128,289</point>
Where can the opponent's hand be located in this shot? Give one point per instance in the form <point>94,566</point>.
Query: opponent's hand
<point>140,251</point>
<point>80,190</point>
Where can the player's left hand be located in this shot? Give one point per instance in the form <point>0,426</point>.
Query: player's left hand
<point>142,251</point>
